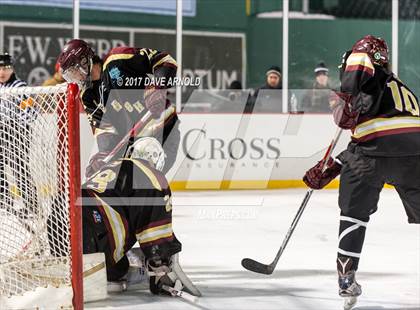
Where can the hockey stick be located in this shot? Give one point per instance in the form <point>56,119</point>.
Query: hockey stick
<point>131,133</point>
<point>253,265</point>
<point>140,124</point>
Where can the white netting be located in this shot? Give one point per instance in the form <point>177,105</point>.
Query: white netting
<point>34,190</point>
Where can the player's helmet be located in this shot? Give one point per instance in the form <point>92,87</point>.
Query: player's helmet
<point>6,60</point>
<point>375,47</point>
<point>76,61</point>
<point>150,150</point>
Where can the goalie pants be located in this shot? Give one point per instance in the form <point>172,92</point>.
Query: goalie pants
<point>114,230</point>
<point>362,179</point>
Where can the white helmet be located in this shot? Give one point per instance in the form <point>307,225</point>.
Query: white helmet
<point>149,149</point>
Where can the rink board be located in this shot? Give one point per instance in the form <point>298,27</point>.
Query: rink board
<point>243,151</point>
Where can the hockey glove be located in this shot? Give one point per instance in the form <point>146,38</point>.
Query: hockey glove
<point>155,100</point>
<point>315,178</point>
<point>95,163</point>
<point>344,116</point>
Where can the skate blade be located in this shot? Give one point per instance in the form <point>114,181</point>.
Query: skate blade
<point>182,294</point>
<point>349,302</point>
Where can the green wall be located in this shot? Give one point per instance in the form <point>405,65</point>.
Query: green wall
<point>310,40</point>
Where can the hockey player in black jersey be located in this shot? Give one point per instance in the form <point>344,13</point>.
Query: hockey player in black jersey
<point>128,201</point>
<point>133,81</point>
<point>383,115</point>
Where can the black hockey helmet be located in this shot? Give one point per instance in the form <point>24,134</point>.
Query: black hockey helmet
<point>375,47</point>
<point>6,60</point>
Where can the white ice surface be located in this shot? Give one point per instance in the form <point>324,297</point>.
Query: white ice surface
<point>219,228</point>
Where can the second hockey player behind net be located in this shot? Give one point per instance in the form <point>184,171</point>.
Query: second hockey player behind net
<point>124,93</point>
<point>383,115</point>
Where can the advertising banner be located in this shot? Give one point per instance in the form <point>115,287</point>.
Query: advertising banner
<point>216,58</point>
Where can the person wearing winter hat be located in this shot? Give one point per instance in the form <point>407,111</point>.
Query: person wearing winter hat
<point>269,96</point>
<point>317,99</point>
<point>321,75</point>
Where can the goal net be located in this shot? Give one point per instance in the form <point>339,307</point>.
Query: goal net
<point>40,224</point>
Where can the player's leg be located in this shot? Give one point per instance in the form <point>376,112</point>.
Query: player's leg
<point>160,247</point>
<point>106,231</point>
<point>360,186</point>
<point>157,241</point>
<point>404,174</point>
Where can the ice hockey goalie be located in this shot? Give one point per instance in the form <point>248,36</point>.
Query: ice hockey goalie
<point>128,201</point>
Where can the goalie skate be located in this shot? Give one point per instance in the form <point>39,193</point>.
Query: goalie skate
<point>169,278</point>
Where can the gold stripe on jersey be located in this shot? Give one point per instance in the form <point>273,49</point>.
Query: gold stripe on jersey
<point>116,57</point>
<point>149,173</point>
<point>117,227</point>
<point>155,233</point>
<point>356,59</point>
<point>167,58</point>
<point>382,124</point>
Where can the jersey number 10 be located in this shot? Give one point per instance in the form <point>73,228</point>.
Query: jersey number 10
<point>406,102</point>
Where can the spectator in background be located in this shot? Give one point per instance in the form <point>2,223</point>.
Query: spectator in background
<point>317,99</point>
<point>57,78</point>
<point>273,80</point>
<point>270,96</point>
<point>235,90</point>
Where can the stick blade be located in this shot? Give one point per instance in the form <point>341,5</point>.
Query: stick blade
<point>255,266</point>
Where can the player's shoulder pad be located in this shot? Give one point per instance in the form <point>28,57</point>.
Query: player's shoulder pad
<point>155,177</point>
<point>119,53</point>
<point>360,62</point>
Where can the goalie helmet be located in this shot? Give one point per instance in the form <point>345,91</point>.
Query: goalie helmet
<point>150,150</point>
<point>375,47</point>
<point>76,62</point>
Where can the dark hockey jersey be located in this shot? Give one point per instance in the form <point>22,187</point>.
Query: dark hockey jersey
<point>134,201</point>
<point>389,122</point>
<point>116,103</point>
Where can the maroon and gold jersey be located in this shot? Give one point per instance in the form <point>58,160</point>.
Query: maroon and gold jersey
<point>116,103</point>
<point>133,201</point>
<point>389,121</point>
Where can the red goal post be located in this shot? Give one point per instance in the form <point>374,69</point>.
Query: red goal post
<point>40,207</point>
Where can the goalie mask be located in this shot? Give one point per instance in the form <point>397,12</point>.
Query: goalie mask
<point>375,47</point>
<point>150,150</point>
<point>76,62</point>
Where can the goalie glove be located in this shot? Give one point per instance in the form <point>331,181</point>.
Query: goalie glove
<point>95,163</point>
<point>155,100</point>
<point>315,178</point>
